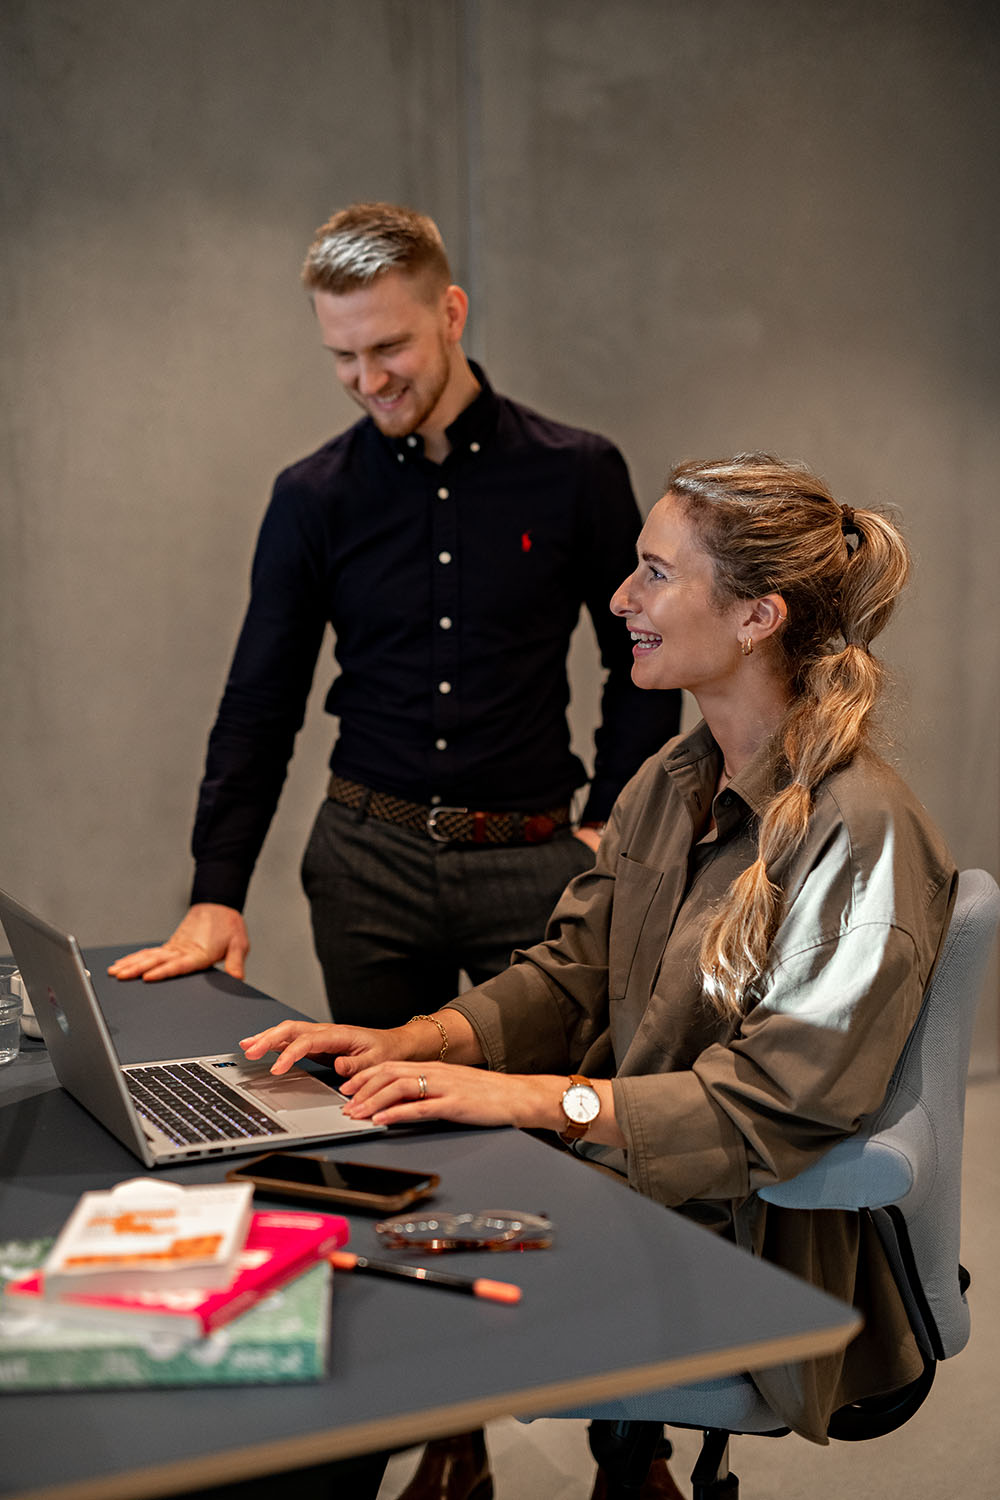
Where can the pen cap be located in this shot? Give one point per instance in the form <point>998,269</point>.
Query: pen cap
<point>496,1291</point>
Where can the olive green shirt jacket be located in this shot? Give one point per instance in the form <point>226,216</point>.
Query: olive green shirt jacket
<point>711,1111</point>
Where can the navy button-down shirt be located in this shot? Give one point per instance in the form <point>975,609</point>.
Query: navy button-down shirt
<point>453,590</point>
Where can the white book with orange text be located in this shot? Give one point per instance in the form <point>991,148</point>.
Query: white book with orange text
<point>148,1234</point>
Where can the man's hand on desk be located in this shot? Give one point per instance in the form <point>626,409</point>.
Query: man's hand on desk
<point>208,935</point>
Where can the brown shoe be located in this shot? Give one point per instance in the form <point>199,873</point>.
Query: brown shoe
<point>454,1468</point>
<point>658,1484</point>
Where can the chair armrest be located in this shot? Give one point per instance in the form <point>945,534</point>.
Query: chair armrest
<point>863,1171</point>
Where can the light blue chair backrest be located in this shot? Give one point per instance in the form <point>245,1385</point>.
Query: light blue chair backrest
<point>905,1162</point>
<point>904,1166</point>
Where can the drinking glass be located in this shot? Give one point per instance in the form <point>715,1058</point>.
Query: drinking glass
<point>10,1012</point>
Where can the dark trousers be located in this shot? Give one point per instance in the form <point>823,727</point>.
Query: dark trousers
<point>395,916</point>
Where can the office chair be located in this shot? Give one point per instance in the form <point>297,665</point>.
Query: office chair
<point>903,1167</point>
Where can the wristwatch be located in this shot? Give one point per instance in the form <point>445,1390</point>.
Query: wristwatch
<point>581,1105</point>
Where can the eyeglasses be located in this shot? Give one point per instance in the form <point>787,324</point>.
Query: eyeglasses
<point>499,1229</point>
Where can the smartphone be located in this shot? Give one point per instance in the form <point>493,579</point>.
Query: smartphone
<point>282,1174</point>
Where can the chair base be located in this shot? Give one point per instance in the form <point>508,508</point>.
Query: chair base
<point>711,1478</point>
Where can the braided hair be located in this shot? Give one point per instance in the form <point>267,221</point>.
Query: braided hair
<point>774,528</point>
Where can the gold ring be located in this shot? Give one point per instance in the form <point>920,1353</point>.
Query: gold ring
<point>423,1086</point>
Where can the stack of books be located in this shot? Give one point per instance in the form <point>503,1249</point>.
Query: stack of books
<point>155,1284</point>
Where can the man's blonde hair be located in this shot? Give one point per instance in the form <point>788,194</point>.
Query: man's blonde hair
<point>365,241</point>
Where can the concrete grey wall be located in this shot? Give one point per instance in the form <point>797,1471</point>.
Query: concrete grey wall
<point>165,164</point>
<point>694,226</point>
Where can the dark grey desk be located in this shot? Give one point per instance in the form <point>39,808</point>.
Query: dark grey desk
<point>630,1297</point>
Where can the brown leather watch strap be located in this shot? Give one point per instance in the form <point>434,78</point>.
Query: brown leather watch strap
<point>576,1129</point>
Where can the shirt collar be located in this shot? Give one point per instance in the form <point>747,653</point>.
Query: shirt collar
<point>471,429</point>
<point>697,758</point>
<point>762,777</point>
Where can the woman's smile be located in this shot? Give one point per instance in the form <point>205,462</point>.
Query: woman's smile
<point>643,641</point>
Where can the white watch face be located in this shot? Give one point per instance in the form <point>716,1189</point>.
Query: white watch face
<point>581,1103</point>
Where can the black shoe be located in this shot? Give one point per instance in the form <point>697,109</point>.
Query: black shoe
<point>454,1468</point>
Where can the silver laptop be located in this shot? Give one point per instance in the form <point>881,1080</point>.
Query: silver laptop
<point>168,1112</point>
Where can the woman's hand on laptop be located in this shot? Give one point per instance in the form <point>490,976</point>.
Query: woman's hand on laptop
<point>358,1047</point>
<point>406,1093</point>
<point>294,1040</point>
<point>208,935</point>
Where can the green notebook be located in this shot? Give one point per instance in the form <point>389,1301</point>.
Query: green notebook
<point>283,1338</point>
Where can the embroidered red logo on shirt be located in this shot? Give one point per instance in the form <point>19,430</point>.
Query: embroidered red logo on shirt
<point>525,541</point>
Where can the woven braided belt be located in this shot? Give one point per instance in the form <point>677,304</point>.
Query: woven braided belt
<point>449,825</point>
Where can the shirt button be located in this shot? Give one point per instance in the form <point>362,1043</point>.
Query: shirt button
<point>401,458</point>
<point>444,557</point>
<point>440,744</point>
<point>435,801</point>
<point>445,622</point>
<point>411,441</point>
<point>442,493</point>
<point>444,687</point>
<point>473,447</point>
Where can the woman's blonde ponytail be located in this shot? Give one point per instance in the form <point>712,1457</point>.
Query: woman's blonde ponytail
<point>772,527</point>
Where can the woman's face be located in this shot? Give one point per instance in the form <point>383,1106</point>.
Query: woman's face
<point>681,638</point>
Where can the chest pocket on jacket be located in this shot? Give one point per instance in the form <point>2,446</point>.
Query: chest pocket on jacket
<point>635,887</point>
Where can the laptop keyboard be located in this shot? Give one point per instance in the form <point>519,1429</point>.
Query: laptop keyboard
<point>189,1103</point>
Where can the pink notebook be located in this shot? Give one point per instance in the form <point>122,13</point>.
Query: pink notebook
<point>280,1245</point>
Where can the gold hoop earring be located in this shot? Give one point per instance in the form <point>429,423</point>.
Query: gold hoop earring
<point>746,646</point>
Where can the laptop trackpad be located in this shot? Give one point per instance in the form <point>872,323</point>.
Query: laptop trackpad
<point>295,1090</point>
<point>300,1100</point>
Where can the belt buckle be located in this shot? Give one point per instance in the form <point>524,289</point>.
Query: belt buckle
<point>432,817</point>
<point>539,828</point>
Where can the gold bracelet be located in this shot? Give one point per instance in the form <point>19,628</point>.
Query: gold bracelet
<point>444,1035</point>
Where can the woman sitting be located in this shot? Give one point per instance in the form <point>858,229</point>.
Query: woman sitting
<point>732,984</point>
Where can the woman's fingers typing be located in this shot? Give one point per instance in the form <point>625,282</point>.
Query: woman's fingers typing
<point>353,1047</point>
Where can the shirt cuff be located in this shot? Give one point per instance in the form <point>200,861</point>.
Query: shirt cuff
<point>681,1145</point>
<point>221,883</point>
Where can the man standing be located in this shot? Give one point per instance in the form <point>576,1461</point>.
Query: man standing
<point>450,538</point>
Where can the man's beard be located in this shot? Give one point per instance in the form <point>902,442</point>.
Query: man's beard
<point>399,425</point>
